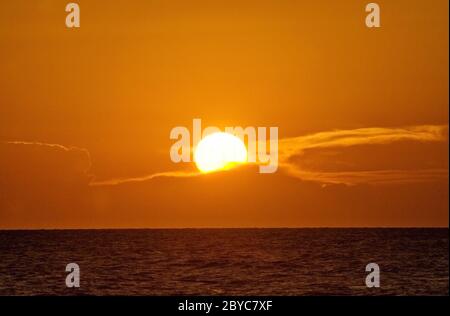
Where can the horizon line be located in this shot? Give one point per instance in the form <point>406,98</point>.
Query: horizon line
<point>228,228</point>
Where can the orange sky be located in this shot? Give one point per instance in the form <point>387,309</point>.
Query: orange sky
<point>362,113</point>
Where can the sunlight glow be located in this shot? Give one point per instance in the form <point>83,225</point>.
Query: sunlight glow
<point>219,151</point>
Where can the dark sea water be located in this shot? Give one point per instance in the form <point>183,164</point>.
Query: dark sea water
<point>225,261</point>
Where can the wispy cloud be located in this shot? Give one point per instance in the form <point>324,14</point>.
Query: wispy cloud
<point>361,136</point>
<point>170,174</point>
<point>372,177</point>
<point>93,179</point>
<point>54,146</point>
<point>290,148</point>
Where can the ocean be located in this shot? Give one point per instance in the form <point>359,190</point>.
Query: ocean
<point>322,261</point>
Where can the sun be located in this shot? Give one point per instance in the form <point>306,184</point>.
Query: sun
<point>219,151</point>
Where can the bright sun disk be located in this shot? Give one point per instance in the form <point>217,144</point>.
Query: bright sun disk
<point>219,151</point>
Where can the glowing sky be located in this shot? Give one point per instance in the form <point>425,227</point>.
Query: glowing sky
<point>85,114</point>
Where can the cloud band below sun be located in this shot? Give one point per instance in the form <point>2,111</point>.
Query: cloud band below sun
<point>314,157</point>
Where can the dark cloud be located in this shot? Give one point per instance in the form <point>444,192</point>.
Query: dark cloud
<point>43,185</point>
